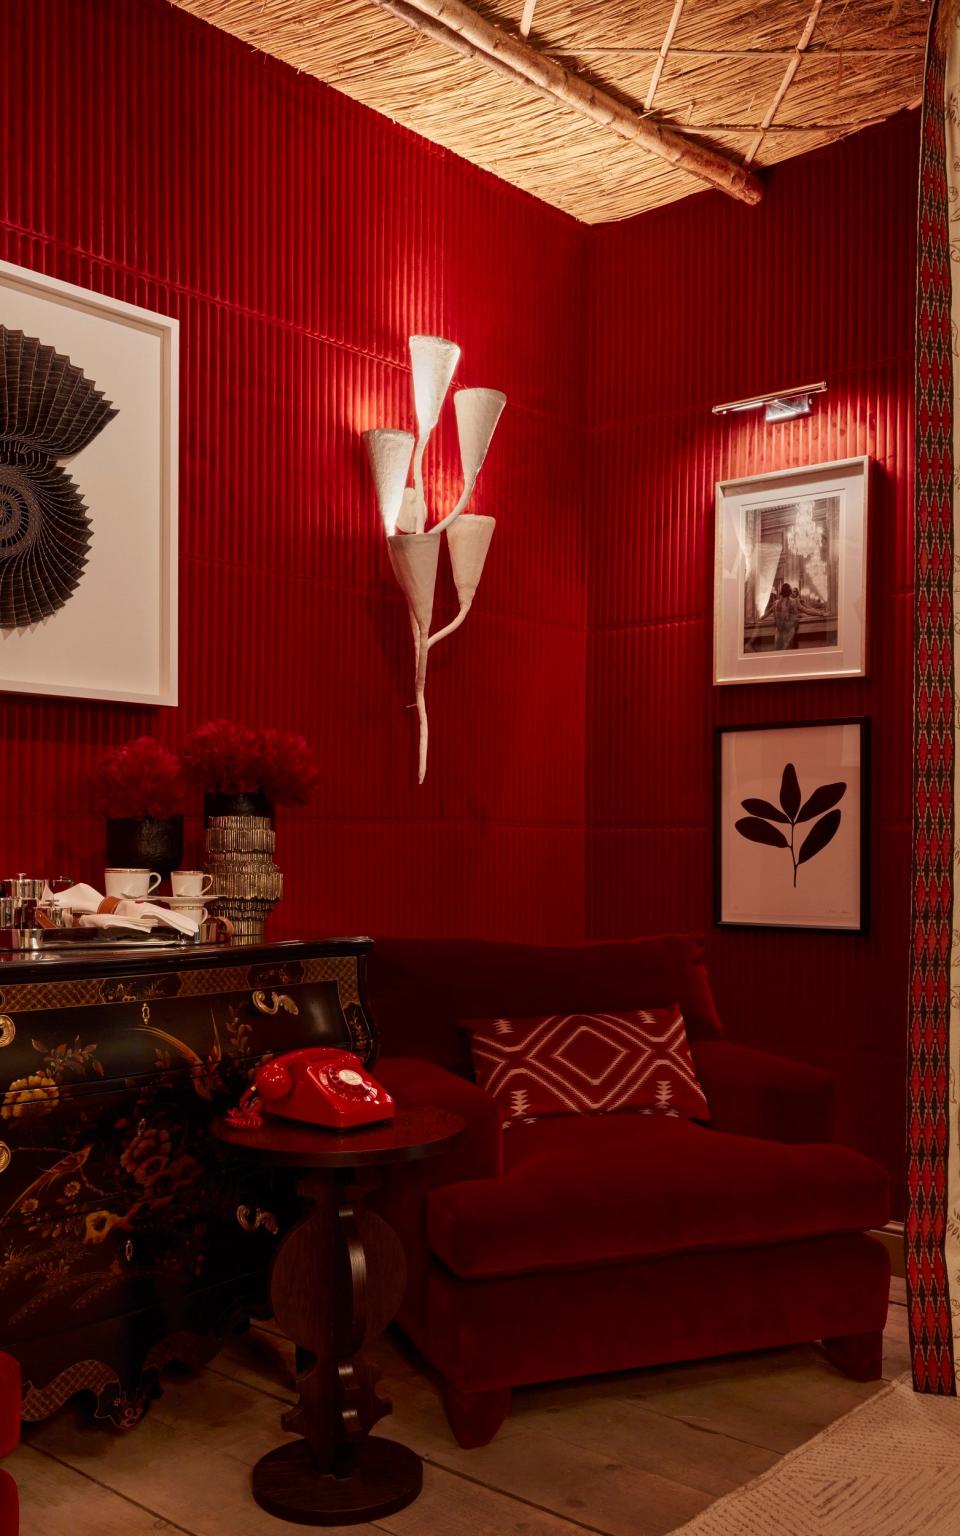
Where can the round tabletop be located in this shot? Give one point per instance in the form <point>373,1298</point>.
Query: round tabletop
<point>416,1131</point>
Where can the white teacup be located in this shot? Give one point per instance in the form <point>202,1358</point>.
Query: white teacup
<point>138,883</point>
<point>190,882</point>
<point>197,915</point>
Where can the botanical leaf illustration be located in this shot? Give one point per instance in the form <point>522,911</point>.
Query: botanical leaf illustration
<point>758,828</point>
<point>790,792</point>
<point>822,799</point>
<point>757,831</point>
<point>764,808</point>
<point>824,831</point>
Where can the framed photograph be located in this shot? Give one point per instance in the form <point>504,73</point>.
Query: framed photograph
<point>791,575</point>
<point>88,493</point>
<point>791,809</point>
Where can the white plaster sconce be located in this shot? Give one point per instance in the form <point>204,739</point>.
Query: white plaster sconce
<point>413,547</point>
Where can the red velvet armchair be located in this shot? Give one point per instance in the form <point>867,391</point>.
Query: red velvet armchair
<point>584,1244</point>
<point>9,1437</point>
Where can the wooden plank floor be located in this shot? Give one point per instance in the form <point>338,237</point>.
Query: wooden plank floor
<point>630,1455</point>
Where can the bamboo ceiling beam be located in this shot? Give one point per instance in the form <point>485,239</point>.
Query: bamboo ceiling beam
<point>526,20</point>
<point>460,28</point>
<point>817,51</point>
<point>662,55</point>
<point>847,125</point>
<point>787,80</point>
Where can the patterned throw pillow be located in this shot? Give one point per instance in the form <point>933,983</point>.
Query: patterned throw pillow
<point>588,1064</point>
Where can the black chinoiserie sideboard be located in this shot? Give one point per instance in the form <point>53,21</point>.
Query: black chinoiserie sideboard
<point>129,1238</point>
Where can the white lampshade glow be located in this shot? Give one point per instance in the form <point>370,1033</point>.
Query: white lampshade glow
<point>390,453</point>
<point>434,363</point>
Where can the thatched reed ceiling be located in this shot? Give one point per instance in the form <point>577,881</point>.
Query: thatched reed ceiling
<point>722,69</point>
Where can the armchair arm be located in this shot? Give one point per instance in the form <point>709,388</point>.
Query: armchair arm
<point>753,1094</point>
<point>478,1153</point>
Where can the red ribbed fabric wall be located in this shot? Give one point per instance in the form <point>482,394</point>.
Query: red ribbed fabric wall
<point>300,239</point>
<point>704,302</point>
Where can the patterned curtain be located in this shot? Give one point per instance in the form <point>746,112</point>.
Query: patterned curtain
<point>933,1167</point>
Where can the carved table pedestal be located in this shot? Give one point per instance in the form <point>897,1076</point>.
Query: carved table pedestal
<point>336,1282</point>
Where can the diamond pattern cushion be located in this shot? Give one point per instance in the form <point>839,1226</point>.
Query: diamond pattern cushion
<point>588,1064</point>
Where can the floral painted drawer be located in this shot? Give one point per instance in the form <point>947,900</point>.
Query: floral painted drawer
<point>128,1237</point>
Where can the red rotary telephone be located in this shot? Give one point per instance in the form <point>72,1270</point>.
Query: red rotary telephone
<point>317,1085</point>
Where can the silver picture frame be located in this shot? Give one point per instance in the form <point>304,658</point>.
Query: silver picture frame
<point>791,577</point>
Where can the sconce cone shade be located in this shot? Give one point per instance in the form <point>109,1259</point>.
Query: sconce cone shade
<point>414,558</point>
<point>469,540</point>
<point>433,362</point>
<point>478,411</point>
<point>390,453</point>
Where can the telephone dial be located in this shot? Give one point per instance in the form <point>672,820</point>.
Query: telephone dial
<point>317,1085</point>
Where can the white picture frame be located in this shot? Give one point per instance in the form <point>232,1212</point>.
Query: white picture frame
<point>801,529</point>
<point>792,825</point>
<point>115,636</point>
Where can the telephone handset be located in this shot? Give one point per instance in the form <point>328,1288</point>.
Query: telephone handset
<point>317,1085</point>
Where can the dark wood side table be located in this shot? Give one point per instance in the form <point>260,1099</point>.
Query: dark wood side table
<point>336,1282</point>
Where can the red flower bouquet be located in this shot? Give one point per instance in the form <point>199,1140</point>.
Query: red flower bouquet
<point>223,758</point>
<point>140,781</point>
<point>287,767</point>
<point>226,758</point>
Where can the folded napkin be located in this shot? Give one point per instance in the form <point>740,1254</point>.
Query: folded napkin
<point>147,910</point>
<point>80,898</point>
<point>146,914</point>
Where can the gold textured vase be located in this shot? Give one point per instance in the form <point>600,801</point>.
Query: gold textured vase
<point>246,881</point>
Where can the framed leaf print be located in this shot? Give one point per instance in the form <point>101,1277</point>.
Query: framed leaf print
<point>791,808</point>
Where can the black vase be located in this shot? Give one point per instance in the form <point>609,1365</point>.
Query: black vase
<point>151,843</point>
<point>252,803</point>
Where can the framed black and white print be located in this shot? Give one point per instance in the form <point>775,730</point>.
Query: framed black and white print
<point>791,809</point>
<point>791,574</point>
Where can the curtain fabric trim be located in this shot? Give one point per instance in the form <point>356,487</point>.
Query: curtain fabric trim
<point>933,1215</point>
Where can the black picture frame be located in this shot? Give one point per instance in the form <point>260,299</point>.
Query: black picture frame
<point>721,731</point>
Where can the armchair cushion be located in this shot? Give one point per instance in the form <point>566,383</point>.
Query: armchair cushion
<point>591,1190</point>
<point>753,1094</point>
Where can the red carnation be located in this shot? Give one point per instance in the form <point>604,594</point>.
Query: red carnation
<point>140,780</point>
<point>288,768</point>
<point>223,757</point>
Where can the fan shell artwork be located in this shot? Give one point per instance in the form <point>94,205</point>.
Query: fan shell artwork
<point>49,410</point>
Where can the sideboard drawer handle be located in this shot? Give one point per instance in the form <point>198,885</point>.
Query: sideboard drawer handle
<point>272,1002</point>
<point>5,1157</point>
<point>250,1221</point>
<point>8,1030</point>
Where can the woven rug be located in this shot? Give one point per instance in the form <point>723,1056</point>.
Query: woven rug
<point>889,1468</point>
